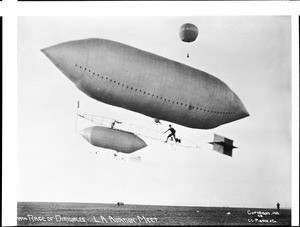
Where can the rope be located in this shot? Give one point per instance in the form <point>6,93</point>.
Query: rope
<point>77,116</point>
<point>201,138</point>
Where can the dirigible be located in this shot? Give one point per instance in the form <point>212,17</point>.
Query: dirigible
<point>140,81</point>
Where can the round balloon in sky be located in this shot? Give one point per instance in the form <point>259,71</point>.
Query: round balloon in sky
<point>188,32</point>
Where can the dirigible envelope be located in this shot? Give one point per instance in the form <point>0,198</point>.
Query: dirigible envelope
<point>223,145</point>
<point>124,76</point>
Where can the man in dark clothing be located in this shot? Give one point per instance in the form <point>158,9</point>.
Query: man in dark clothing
<point>172,130</point>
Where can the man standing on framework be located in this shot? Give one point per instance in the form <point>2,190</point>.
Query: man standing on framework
<point>113,123</point>
<point>172,130</point>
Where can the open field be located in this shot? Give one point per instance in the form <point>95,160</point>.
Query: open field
<point>47,213</point>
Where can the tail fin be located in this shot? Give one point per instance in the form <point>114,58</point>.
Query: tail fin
<point>223,145</point>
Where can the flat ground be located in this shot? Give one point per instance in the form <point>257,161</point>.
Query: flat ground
<point>45,213</point>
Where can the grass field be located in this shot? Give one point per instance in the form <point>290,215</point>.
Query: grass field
<point>46,213</point>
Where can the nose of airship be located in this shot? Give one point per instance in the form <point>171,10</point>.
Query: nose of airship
<point>244,112</point>
<point>55,54</point>
<point>51,53</point>
<point>239,108</point>
<point>85,133</point>
<point>65,57</point>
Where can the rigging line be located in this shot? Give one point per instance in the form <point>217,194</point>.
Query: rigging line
<point>173,147</point>
<point>98,122</point>
<point>131,126</point>
<point>77,116</point>
<point>203,137</point>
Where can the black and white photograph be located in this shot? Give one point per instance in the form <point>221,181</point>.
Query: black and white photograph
<point>146,0</point>
<point>150,113</point>
<point>154,120</point>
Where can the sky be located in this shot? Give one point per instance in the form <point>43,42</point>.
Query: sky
<point>251,54</point>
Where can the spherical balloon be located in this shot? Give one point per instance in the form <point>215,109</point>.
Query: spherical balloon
<point>188,33</point>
